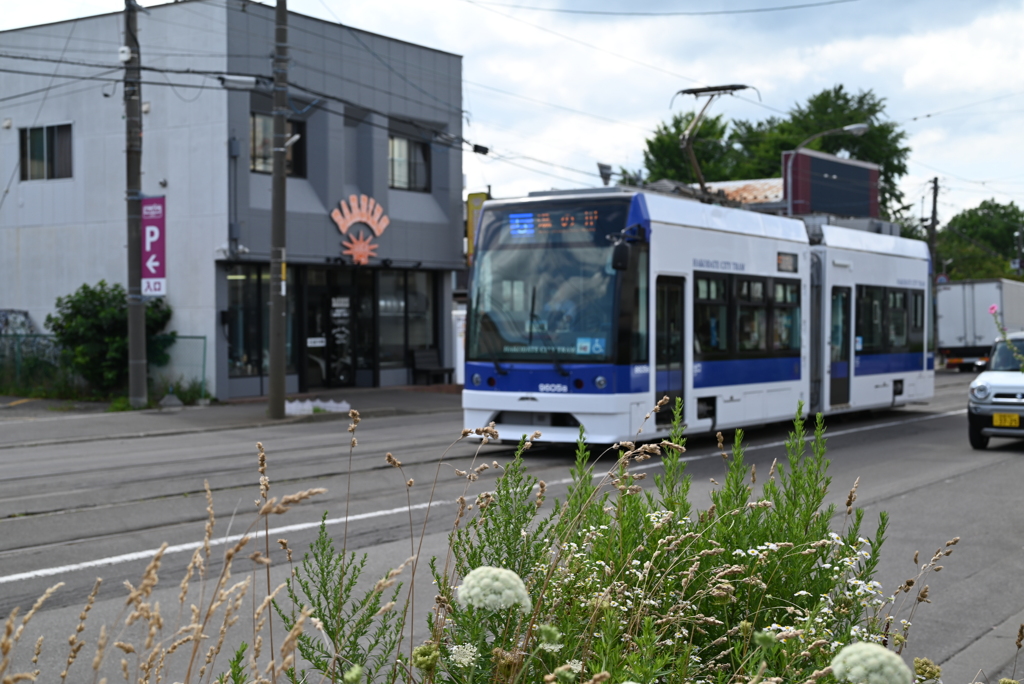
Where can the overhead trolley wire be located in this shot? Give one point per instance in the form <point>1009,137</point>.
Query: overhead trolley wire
<point>698,13</point>
<point>655,67</point>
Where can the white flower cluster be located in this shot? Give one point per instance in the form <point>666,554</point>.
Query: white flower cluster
<point>463,655</point>
<point>576,666</point>
<point>866,663</point>
<point>494,589</point>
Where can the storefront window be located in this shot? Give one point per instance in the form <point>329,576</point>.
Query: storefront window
<point>243,321</point>
<point>420,309</point>
<point>249,321</point>
<point>391,303</point>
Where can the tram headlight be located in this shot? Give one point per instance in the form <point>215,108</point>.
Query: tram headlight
<point>981,391</point>
<point>476,379</point>
<point>600,382</point>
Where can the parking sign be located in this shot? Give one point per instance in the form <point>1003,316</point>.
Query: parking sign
<point>154,247</point>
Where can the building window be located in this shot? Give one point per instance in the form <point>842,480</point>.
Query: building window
<point>408,164</point>
<point>261,146</point>
<point>45,152</point>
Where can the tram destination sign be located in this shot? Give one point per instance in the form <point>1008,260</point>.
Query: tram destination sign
<point>154,247</point>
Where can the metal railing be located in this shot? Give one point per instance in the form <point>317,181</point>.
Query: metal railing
<point>33,365</point>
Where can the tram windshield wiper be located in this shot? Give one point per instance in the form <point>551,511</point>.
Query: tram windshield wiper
<point>497,366</point>
<point>558,364</point>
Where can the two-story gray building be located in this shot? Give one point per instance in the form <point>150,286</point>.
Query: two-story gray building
<point>374,224</point>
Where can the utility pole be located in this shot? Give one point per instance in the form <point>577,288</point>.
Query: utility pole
<point>137,391</point>
<point>933,226</point>
<point>278,264</point>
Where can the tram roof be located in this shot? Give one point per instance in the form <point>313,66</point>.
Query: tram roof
<point>686,212</point>
<point>863,241</point>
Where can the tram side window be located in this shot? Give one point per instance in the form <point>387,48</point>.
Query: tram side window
<point>752,315</point>
<point>917,318</point>
<point>633,309</point>
<point>870,319</point>
<point>710,316</point>
<point>897,321</point>
<point>786,316</point>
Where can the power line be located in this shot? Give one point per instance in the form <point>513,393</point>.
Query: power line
<point>964,106</point>
<point>557,106</point>
<point>704,13</point>
<point>437,136</point>
<point>476,3</point>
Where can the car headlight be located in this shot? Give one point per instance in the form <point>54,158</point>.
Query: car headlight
<point>981,391</point>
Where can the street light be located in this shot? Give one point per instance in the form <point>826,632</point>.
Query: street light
<point>850,129</point>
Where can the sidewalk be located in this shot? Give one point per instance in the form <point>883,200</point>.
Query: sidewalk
<point>43,422</point>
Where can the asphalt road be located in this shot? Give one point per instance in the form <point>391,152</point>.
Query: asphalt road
<point>72,512</point>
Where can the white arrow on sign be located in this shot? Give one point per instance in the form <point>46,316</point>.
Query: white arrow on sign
<point>152,264</point>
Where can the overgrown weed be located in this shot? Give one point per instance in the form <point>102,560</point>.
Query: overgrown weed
<point>617,583</point>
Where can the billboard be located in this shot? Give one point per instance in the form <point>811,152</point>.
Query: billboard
<point>819,183</point>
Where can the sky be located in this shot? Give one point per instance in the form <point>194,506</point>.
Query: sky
<point>554,93</point>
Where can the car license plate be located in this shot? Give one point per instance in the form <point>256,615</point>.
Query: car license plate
<point>1010,420</point>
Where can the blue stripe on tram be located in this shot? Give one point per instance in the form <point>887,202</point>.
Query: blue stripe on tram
<point>877,364</point>
<point>745,371</point>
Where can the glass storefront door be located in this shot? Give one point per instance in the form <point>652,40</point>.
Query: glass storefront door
<point>329,328</point>
<point>361,323</point>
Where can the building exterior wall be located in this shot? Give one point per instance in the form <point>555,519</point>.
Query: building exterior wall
<point>351,89</point>
<point>56,235</point>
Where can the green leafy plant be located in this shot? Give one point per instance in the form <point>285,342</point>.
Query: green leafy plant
<point>237,673</point>
<point>653,589</point>
<point>91,327</point>
<point>349,628</point>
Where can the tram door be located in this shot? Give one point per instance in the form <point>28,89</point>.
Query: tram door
<point>669,347</point>
<point>839,376</point>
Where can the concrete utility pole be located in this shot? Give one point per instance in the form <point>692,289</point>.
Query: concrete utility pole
<point>278,265</point>
<point>137,391</point>
<point>933,226</point>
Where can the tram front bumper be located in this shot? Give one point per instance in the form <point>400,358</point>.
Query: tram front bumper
<point>605,418</point>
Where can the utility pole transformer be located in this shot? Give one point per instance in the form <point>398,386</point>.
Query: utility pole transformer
<point>278,264</point>
<point>137,391</point>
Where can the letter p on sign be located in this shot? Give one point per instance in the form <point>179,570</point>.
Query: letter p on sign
<point>152,235</point>
<point>154,247</point>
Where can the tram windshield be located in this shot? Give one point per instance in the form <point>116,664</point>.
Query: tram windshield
<point>543,286</point>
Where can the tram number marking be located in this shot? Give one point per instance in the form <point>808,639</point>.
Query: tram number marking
<point>552,387</point>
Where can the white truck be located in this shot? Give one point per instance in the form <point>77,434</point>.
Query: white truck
<point>966,329</point>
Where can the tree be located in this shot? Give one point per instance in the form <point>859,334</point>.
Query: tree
<point>980,241</point>
<point>91,327</point>
<point>663,157</point>
<point>754,149</point>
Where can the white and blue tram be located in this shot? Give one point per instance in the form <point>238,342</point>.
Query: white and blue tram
<point>587,307</point>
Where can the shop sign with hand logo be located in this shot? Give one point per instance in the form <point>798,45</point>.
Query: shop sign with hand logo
<point>363,210</point>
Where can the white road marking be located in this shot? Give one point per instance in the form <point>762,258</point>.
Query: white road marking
<point>191,546</point>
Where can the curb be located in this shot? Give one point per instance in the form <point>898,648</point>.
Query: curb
<point>382,412</point>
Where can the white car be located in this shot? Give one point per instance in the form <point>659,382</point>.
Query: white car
<point>995,404</point>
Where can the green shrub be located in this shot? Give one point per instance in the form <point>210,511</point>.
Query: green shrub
<point>653,590</point>
<point>91,327</point>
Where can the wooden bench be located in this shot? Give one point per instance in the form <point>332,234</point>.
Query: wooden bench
<point>427,363</point>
